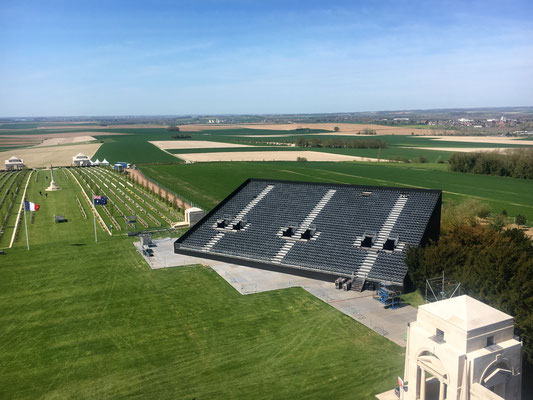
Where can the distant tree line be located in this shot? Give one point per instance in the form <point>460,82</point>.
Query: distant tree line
<point>493,265</point>
<point>368,131</point>
<point>173,128</point>
<point>340,143</point>
<point>517,163</point>
<point>181,136</point>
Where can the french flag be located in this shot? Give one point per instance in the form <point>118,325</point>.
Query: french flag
<point>29,206</point>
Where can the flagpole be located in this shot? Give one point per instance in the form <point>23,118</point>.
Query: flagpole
<point>26,228</point>
<point>95,237</point>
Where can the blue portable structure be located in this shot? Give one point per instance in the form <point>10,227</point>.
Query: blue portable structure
<point>121,166</point>
<point>389,296</point>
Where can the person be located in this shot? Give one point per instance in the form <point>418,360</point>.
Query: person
<point>41,193</point>
<point>46,195</point>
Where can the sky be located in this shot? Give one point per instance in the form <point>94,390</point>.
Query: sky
<point>69,58</point>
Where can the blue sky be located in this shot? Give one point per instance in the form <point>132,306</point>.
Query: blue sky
<point>216,57</point>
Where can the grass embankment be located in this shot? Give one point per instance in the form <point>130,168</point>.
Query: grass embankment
<point>414,299</point>
<point>91,320</point>
<point>208,183</point>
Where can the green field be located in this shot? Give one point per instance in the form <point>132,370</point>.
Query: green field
<point>208,183</point>
<point>134,147</point>
<point>131,144</point>
<point>91,320</point>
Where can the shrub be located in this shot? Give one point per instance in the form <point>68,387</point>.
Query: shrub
<point>497,223</point>
<point>302,141</point>
<point>517,163</point>
<point>399,158</point>
<point>301,159</point>
<point>519,219</point>
<point>420,159</point>
<point>465,213</point>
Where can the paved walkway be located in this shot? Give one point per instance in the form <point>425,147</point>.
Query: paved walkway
<point>362,307</point>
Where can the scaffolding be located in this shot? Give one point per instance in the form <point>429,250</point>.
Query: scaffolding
<point>441,288</point>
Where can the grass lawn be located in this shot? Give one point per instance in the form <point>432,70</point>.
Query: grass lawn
<point>91,320</point>
<point>208,183</point>
<point>414,299</point>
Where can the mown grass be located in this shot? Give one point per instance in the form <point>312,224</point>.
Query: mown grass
<point>208,183</point>
<point>90,320</point>
<point>414,298</point>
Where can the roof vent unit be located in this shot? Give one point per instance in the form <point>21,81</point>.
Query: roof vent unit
<point>391,243</point>
<point>224,222</point>
<point>368,240</point>
<point>288,232</point>
<point>239,225</point>
<point>309,232</point>
<point>366,194</point>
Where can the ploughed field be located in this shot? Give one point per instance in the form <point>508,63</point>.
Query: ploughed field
<point>92,320</point>
<point>208,183</point>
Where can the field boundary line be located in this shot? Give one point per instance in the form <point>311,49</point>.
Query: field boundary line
<point>95,212</point>
<point>20,210</point>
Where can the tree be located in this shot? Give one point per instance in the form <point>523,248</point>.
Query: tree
<point>494,267</point>
<point>336,129</point>
<point>369,131</point>
<point>519,219</point>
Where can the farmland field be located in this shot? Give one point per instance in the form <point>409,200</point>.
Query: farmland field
<point>207,184</point>
<point>91,320</point>
<point>45,156</point>
<point>130,143</point>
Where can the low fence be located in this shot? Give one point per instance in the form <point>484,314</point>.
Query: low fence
<point>160,190</point>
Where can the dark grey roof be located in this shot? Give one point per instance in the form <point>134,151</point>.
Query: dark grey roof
<point>337,216</point>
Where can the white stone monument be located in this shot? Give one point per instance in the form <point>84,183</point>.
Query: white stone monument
<point>463,349</point>
<point>53,186</point>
